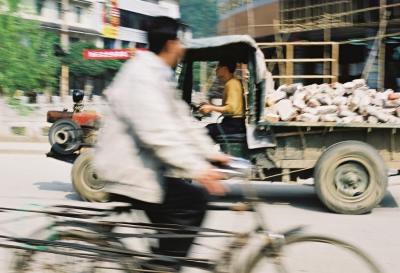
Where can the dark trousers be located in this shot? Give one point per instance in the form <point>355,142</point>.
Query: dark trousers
<point>184,204</point>
<point>228,126</point>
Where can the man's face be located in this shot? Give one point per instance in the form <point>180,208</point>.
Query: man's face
<point>221,72</point>
<point>176,51</point>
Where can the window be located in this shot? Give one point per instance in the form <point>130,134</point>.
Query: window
<point>125,44</point>
<point>131,19</point>
<point>78,11</point>
<point>73,40</point>
<point>39,6</point>
<point>141,45</point>
<point>59,10</point>
<point>109,43</point>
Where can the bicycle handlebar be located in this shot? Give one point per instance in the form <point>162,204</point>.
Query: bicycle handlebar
<point>237,167</point>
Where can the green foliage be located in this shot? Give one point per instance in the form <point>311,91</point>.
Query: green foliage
<point>19,107</point>
<point>27,61</point>
<point>201,15</point>
<point>81,67</point>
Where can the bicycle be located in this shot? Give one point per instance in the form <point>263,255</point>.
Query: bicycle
<point>81,239</point>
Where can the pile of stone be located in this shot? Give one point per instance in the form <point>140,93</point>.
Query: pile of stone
<point>351,102</point>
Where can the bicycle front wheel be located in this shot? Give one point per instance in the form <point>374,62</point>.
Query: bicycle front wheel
<point>313,254</point>
<point>67,253</point>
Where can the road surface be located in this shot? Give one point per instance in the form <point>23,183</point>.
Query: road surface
<point>34,179</point>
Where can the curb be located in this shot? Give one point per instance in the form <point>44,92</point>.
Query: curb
<point>26,139</point>
<point>19,131</point>
<point>22,152</point>
<point>24,148</point>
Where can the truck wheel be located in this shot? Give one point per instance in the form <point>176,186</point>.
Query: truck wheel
<point>85,181</point>
<point>65,136</point>
<point>350,177</point>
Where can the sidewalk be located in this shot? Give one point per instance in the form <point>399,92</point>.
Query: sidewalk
<point>24,147</point>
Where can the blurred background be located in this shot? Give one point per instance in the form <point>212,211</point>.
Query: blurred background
<point>42,44</point>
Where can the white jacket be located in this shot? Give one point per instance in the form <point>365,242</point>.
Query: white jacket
<point>148,132</point>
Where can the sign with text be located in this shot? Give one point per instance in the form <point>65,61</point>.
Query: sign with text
<point>111,19</point>
<point>108,54</point>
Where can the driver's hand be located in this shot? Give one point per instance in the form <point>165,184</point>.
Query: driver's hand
<point>206,108</point>
<point>220,158</point>
<point>211,180</point>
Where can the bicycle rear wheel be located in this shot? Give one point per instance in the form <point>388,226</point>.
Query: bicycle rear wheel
<point>66,253</point>
<point>312,254</point>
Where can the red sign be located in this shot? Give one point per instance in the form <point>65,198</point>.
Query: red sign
<point>108,54</point>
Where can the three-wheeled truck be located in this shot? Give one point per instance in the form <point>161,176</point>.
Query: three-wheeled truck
<point>348,162</point>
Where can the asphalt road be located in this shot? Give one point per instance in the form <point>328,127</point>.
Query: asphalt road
<point>33,178</point>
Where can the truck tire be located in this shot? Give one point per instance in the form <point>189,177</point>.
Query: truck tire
<point>350,177</point>
<point>85,181</point>
<point>65,136</point>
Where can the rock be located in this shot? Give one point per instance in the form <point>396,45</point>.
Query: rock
<point>290,89</point>
<point>349,85</point>
<point>359,83</point>
<point>372,119</point>
<point>345,112</point>
<point>298,100</point>
<point>358,119</point>
<point>349,102</point>
<point>274,97</point>
<point>286,110</point>
<point>365,101</point>
<point>311,91</point>
<point>329,118</point>
<point>347,119</point>
<point>324,99</point>
<point>313,103</point>
<point>353,119</point>
<point>371,92</point>
<point>339,90</point>
<point>394,96</point>
<point>326,109</point>
<point>271,110</point>
<point>394,120</point>
<point>307,117</point>
<point>391,103</point>
<point>354,103</point>
<point>339,100</point>
<point>310,110</point>
<point>390,111</point>
<point>382,117</point>
<point>377,101</point>
<point>270,117</point>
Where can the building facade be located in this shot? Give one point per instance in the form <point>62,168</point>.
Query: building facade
<point>106,23</point>
<point>110,24</point>
<point>127,27</point>
<point>79,17</point>
<point>360,27</point>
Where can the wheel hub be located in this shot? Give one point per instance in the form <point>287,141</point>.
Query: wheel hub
<point>351,179</point>
<point>61,137</point>
<point>92,179</point>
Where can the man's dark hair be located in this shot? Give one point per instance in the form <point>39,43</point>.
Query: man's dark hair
<point>231,65</point>
<point>160,30</point>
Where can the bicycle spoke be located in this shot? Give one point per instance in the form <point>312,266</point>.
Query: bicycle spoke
<point>314,254</point>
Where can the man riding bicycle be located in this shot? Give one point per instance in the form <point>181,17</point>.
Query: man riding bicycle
<point>149,143</point>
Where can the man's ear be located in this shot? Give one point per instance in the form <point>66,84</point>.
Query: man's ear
<point>170,44</point>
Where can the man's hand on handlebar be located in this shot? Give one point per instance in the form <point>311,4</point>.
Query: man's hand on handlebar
<point>206,108</point>
<point>220,158</point>
<point>211,180</point>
